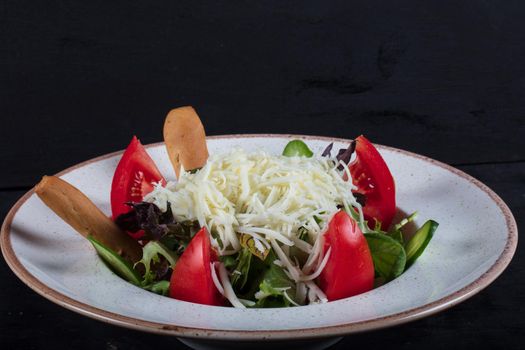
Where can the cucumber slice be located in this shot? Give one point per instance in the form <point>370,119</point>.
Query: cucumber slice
<point>297,148</point>
<point>419,241</point>
<point>120,266</point>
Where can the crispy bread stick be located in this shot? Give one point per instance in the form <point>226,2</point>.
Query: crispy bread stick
<point>185,139</point>
<point>82,214</point>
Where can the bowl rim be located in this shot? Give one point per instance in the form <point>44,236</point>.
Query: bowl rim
<point>192,332</point>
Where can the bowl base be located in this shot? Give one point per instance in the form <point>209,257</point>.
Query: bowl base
<point>307,344</point>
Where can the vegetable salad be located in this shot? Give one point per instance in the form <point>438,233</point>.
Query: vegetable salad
<point>252,229</point>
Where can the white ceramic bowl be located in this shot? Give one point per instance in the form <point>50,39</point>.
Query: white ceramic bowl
<point>474,243</point>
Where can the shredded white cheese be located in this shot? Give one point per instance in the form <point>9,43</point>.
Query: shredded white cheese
<point>319,268</point>
<point>271,198</point>
<point>228,289</point>
<point>215,279</point>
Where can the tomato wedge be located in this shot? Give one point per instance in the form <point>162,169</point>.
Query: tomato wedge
<point>373,179</point>
<point>191,278</point>
<point>133,179</point>
<point>349,270</point>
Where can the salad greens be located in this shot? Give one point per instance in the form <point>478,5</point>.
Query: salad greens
<point>267,283</point>
<point>119,265</point>
<point>156,260</point>
<point>388,255</point>
<point>241,269</point>
<point>254,278</point>
<point>343,155</point>
<point>297,148</point>
<point>391,255</point>
<point>155,223</point>
<point>255,272</point>
<point>160,287</point>
<point>158,225</point>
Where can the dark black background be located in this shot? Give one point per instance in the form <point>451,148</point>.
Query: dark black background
<point>442,78</point>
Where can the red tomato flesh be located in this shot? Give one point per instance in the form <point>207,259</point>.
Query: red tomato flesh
<point>349,270</point>
<point>133,179</point>
<point>191,278</point>
<point>373,179</point>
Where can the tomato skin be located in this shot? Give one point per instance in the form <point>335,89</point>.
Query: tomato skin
<point>132,179</point>
<point>373,179</point>
<point>191,278</point>
<point>349,270</point>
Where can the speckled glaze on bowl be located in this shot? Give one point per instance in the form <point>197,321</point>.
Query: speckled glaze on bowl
<point>475,241</point>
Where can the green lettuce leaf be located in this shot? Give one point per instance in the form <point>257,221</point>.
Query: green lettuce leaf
<point>388,255</point>
<point>160,287</point>
<point>157,259</point>
<point>268,284</point>
<point>275,289</point>
<point>241,270</point>
<point>297,148</point>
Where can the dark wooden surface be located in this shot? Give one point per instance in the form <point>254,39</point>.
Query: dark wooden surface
<point>442,78</point>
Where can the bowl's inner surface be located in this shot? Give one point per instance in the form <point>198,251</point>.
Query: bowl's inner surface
<point>471,236</point>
